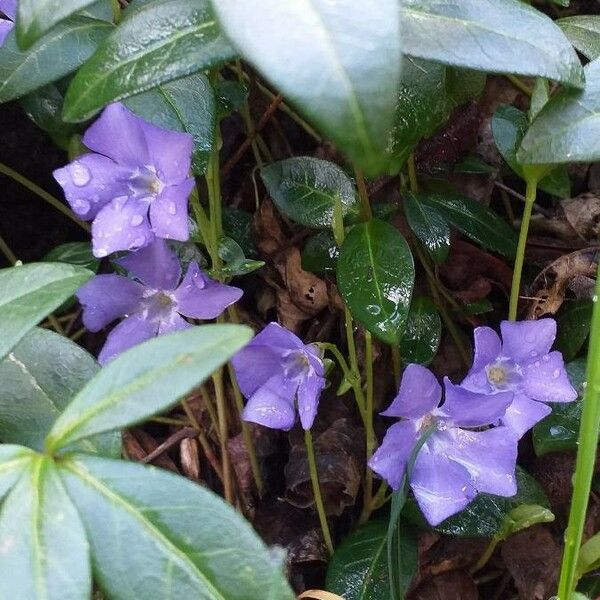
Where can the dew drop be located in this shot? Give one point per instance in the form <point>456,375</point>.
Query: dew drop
<point>556,373</point>
<point>80,174</point>
<point>119,202</point>
<point>533,354</point>
<point>139,241</point>
<point>136,220</point>
<point>373,309</point>
<point>101,252</point>
<point>81,206</point>
<point>172,208</point>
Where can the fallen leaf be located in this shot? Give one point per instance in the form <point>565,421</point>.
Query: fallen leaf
<point>453,585</point>
<point>583,214</point>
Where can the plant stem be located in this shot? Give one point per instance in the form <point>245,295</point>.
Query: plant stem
<point>366,212</point>
<point>586,456</point>
<point>213,180</point>
<point>520,85</point>
<point>485,557</point>
<point>314,479</point>
<point>223,435</point>
<point>43,194</point>
<point>412,174</point>
<point>530,195</point>
<point>396,363</point>
<point>8,253</point>
<point>369,432</point>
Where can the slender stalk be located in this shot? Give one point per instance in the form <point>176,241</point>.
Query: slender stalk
<point>247,118</point>
<point>523,87</point>
<point>203,224</point>
<point>396,363</point>
<point>367,213</point>
<point>412,174</point>
<point>314,479</point>
<point>485,557</point>
<point>223,435</point>
<point>213,180</point>
<point>586,456</point>
<point>369,431</point>
<point>43,194</point>
<point>8,253</point>
<point>530,195</point>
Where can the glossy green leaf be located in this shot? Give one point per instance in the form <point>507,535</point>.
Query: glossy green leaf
<point>308,50</point>
<point>237,224</point>
<point>474,220</point>
<point>375,275</point>
<point>559,431</point>
<point>183,541</point>
<point>358,570</point>
<point>186,104</point>
<point>14,461</point>
<point>573,327</point>
<point>74,253</point>
<point>44,549</point>
<point>498,36</point>
<point>428,224</point>
<point>156,42</point>
<point>539,97</point>
<point>509,125</point>
<point>62,51</point>
<point>423,332</point>
<point>30,292</point>
<point>567,129</point>
<point>589,556</point>
<point>145,380</point>
<point>320,253</point>
<point>305,190</point>
<point>36,17</point>
<point>522,517</point>
<point>235,262</point>
<point>583,32</point>
<point>231,95</point>
<point>463,85</point>
<point>39,377</point>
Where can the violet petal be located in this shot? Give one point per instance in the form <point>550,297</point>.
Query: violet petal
<point>547,380</point>
<point>526,341</point>
<point>523,413</point>
<point>130,332</point>
<point>487,347</point>
<point>309,391</point>
<point>272,405</point>
<point>169,212</point>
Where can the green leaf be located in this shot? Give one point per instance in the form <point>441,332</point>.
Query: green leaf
<point>559,431</point>
<point>423,333</point>
<point>186,104</point>
<point>44,550</point>
<point>583,32</point>
<point>235,262</point>
<point>539,96</point>
<point>573,327</point>
<point>74,253</point>
<point>566,130</point>
<point>463,85</point>
<point>589,556</point>
<point>305,189</point>
<point>183,541</point>
<point>155,42</point>
<point>39,378</point>
<point>509,125</point>
<point>237,224</point>
<point>63,50</point>
<point>428,224</point>
<point>358,570</point>
<point>522,517</point>
<point>30,292</point>
<point>36,17</point>
<point>145,380</point>
<point>375,275</point>
<point>474,220</point>
<point>497,36</point>
<point>308,50</point>
<point>320,253</point>
<point>14,461</point>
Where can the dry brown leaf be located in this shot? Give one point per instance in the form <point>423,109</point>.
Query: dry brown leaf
<point>453,585</point>
<point>583,214</point>
<point>190,459</point>
<point>319,595</point>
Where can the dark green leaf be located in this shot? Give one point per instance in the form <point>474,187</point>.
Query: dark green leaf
<point>567,128</point>
<point>63,50</point>
<point>473,165</point>
<point>74,253</point>
<point>305,190</point>
<point>235,262</point>
<point>237,224</point>
<point>14,461</point>
<point>44,549</point>
<point>522,517</point>
<point>320,253</point>
<point>539,96</point>
<point>145,380</point>
<point>183,541</point>
<point>573,327</point>
<point>231,95</point>
<point>30,292</point>
<point>155,43</point>
<point>583,32</point>
<point>498,36</point>
<point>474,220</point>
<point>375,274</point>
<point>463,85</point>
<point>186,104</point>
<point>308,50</point>
<point>428,224</point>
<point>559,431</point>
<point>423,333</point>
<point>589,556</point>
<point>39,378</point>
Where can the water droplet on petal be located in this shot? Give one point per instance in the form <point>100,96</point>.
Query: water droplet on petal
<point>556,373</point>
<point>80,174</point>
<point>101,252</point>
<point>545,358</point>
<point>172,208</point>
<point>119,202</point>
<point>81,206</point>
<point>533,354</point>
<point>136,220</point>
<point>139,241</point>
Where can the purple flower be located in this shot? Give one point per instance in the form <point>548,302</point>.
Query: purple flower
<point>454,463</point>
<point>155,303</point>
<point>9,8</point>
<point>521,363</point>
<point>136,187</point>
<point>273,371</point>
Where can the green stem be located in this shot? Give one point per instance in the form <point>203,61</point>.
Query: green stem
<point>586,456</point>
<point>314,479</point>
<point>223,435</point>
<point>530,195</point>
<point>485,557</point>
<point>213,180</point>
<point>523,87</point>
<point>369,431</point>
<point>43,194</point>
<point>412,174</point>
<point>203,223</point>
<point>5,249</point>
<point>367,213</point>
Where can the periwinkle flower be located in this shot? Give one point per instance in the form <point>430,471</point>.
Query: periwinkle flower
<point>520,362</point>
<point>455,463</point>
<point>135,187</point>
<point>155,302</point>
<point>276,371</point>
<point>9,8</point>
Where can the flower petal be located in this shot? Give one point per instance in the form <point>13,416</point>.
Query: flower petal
<point>389,460</point>
<point>90,182</point>
<point>546,380</point>
<point>155,265</point>
<point>441,487</point>
<point>9,8</point>
<point>6,27</point>
<point>171,322</point>
<point>523,413</point>
<point>169,212</point>
<point>524,341</point>
<point>472,409</point>
<point>106,298</point>
<point>118,134</point>
<point>418,395</point>
<point>487,347</point>
<point>121,225</point>
<point>130,332</point>
<point>254,365</point>
<point>272,405</point>
<point>276,336</point>
<point>309,391</point>
<point>201,297</point>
